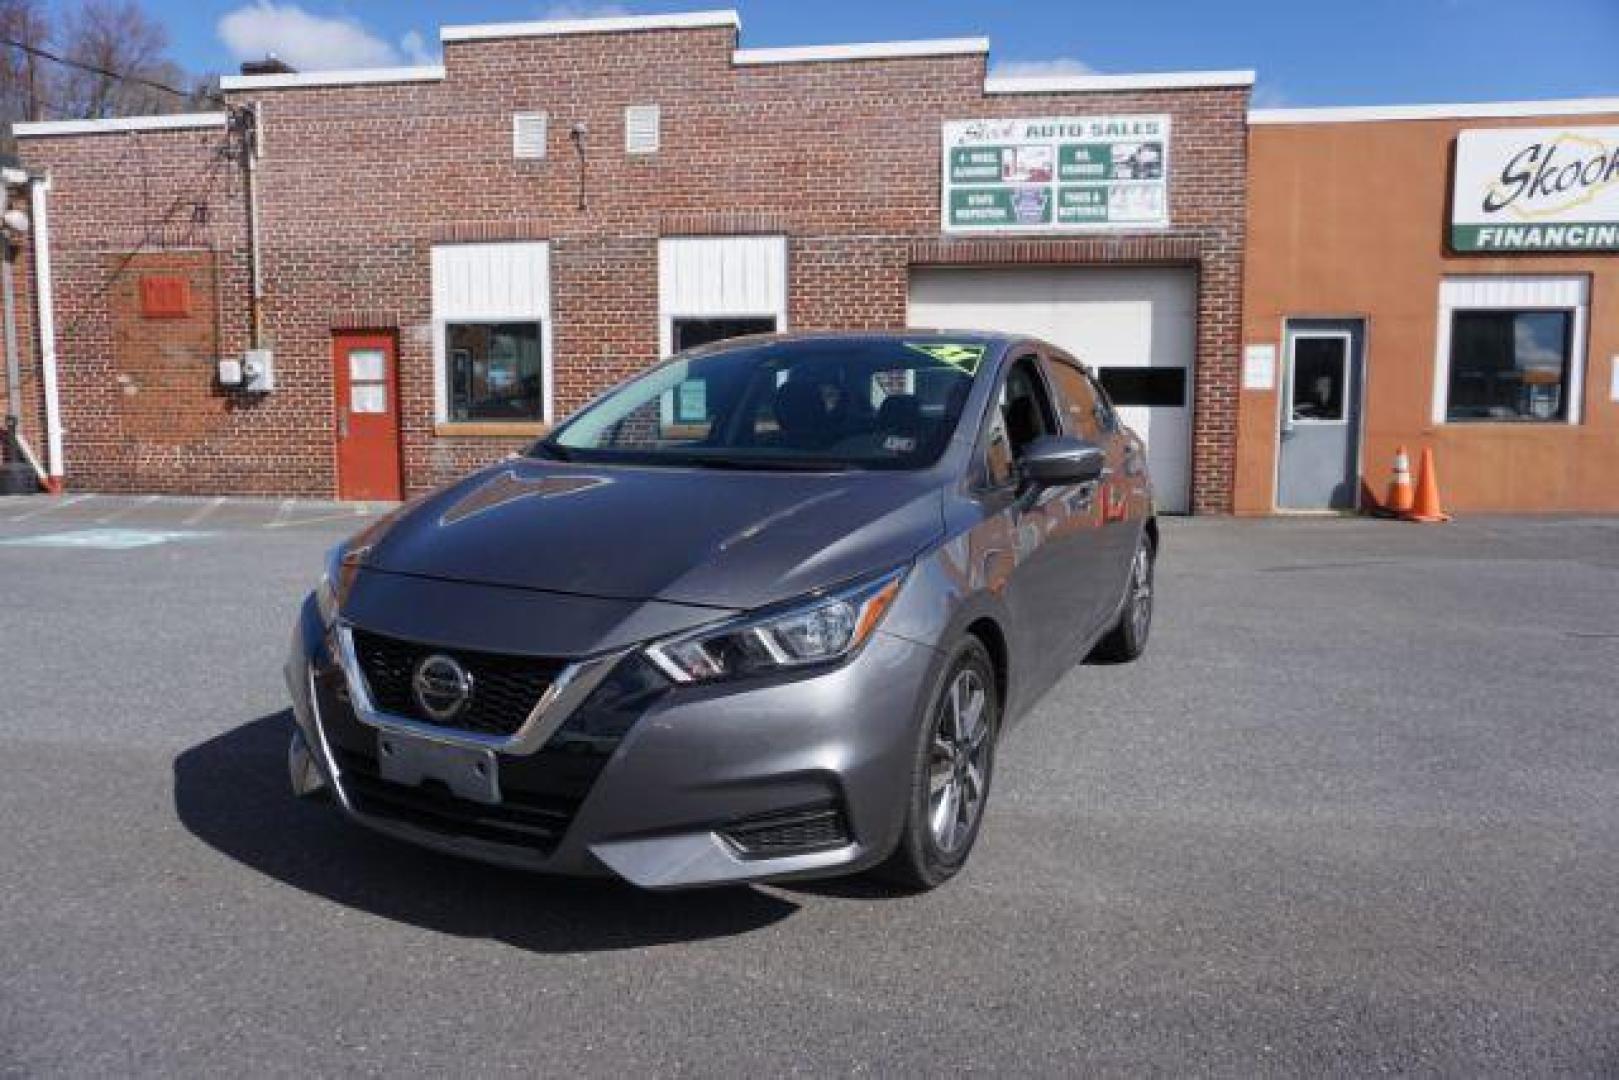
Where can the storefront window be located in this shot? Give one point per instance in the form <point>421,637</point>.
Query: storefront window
<point>689,333</point>
<point>495,371</point>
<point>1509,365</point>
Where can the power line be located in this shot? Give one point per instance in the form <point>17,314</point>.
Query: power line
<point>106,73</point>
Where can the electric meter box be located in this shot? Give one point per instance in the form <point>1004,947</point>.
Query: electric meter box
<point>230,372</point>
<point>258,371</point>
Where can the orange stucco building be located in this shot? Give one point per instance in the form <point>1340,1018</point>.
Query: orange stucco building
<point>1441,277</point>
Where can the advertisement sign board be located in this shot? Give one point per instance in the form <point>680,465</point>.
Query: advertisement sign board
<point>1056,174</point>
<point>1536,189</point>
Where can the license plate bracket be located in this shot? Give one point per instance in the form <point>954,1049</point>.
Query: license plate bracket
<point>468,772</point>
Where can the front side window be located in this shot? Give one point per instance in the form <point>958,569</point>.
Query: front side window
<point>495,371</point>
<point>820,404</point>
<point>1024,415</point>
<point>1509,365</point>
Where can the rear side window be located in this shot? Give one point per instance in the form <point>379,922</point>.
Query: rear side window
<point>1082,410</point>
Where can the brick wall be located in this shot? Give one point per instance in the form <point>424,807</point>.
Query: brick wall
<point>359,181</point>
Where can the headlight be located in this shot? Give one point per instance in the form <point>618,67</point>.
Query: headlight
<point>342,563</point>
<point>816,631</point>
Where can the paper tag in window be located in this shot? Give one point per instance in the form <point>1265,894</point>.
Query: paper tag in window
<point>368,399</point>
<point>365,365</point>
<point>899,444</point>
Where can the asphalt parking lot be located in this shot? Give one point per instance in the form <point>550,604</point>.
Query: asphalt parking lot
<point>1356,811</point>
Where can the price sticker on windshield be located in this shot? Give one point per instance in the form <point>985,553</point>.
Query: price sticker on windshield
<point>965,357</point>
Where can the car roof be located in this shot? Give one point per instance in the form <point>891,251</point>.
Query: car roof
<point>994,340</point>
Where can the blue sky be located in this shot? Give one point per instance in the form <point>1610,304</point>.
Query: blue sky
<point>1307,52</point>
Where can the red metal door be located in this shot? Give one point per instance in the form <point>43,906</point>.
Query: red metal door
<point>367,384</point>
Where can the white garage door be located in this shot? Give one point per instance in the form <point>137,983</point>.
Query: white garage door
<point>1137,328</point>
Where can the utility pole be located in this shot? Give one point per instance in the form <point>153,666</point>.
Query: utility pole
<point>35,111</point>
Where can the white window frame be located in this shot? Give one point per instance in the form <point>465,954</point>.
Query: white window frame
<point>726,300</point>
<point>1529,293</point>
<point>465,292</point>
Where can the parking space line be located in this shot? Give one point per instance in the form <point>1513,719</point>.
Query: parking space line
<point>126,510</point>
<point>282,513</point>
<point>61,503</point>
<point>292,523</point>
<point>205,511</point>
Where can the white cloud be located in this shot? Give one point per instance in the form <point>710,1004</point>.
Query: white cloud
<point>312,42</point>
<point>414,46</point>
<point>582,9</point>
<point>1062,65</point>
<point>1267,95</point>
<point>1538,342</point>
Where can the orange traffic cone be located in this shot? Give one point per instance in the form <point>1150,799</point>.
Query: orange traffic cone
<point>1425,505</point>
<point>1400,497</point>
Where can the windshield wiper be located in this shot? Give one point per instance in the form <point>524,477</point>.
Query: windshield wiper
<point>767,464</point>
<point>552,450</point>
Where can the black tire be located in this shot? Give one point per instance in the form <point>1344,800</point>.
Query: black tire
<point>922,861</point>
<point>1128,638</point>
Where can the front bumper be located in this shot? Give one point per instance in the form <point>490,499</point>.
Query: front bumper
<point>652,782</point>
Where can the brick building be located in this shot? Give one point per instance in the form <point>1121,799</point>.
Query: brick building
<point>453,256</point>
<point>1439,277</point>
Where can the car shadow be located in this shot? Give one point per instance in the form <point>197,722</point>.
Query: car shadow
<point>231,792</point>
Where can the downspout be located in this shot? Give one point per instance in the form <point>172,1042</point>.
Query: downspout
<point>38,187</point>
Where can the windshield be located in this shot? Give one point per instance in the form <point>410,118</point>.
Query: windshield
<point>808,403</point>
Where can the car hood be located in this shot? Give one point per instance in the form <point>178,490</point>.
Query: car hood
<point>719,538</point>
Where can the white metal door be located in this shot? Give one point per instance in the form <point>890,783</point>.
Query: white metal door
<point>1136,327</point>
<point>1318,460</point>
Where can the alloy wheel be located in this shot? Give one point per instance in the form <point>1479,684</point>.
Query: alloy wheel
<point>1141,592</point>
<point>958,768</point>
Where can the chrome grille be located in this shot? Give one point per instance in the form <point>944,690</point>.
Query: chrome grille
<point>505,688</point>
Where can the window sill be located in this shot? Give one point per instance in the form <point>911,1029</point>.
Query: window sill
<point>488,429</point>
<point>1494,424</point>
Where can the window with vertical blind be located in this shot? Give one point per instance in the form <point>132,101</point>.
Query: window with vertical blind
<point>1511,349</point>
<point>715,287</point>
<point>491,326</point>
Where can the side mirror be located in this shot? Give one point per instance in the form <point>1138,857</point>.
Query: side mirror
<point>1055,460</point>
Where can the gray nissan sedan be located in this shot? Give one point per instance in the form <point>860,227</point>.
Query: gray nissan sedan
<point>763,612</point>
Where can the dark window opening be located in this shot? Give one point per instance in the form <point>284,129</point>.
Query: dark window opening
<point>495,371</point>
<point>1509,366</point>
<point>690,333</point>
<point>1320,368</point>
<point>1155,387</point>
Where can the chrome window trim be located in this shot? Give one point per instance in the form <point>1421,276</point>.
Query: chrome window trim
<point>566,693</point>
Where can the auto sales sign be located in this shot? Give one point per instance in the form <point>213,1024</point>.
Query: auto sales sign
<point>1536,189</point>
<point>1056,173</point>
